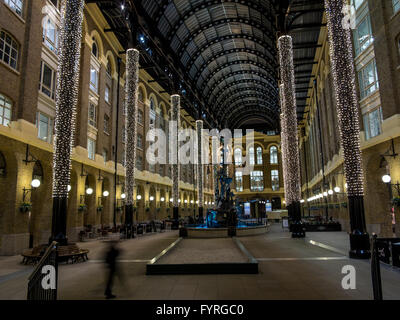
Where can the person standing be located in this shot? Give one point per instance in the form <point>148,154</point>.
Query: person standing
<point>111,261</point>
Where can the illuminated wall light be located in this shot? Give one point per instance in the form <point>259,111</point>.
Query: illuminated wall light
<point>69,53</point>
<point>171,200</point>
<point>151,198</point>
<point>337,189</point>
<point>69,188</point>
<point>139,197</point>
<point>35,183</point>
<point>386,178</point>
<point>89,191</point>
<point>162,199</point>
<point>325,194</point>
<point>289,121</point>
<point>123,196</point>
<point>330,192</point>
<point>106,194</point>
<point>131,105</point>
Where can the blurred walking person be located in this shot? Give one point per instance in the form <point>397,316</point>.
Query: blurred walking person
<point>111,261</point>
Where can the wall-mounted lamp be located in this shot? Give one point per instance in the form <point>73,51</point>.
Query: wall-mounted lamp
<point>162,199</point>
<point>123,196</point>
<point>386,178</point>
<point>139,197</point>
<point>151,198</point>
<point>89,191</point>
<point>337,189</point>
<point>69,188</point>
<point>106,194</point>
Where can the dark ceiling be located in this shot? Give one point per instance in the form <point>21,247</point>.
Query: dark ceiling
<point>221,56</point>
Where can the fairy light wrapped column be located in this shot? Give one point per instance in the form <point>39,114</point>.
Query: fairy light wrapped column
<point>66,102</point>
<point>131,104</point>
<point>342,61</point>
<point>175,107</point>
<point>199,166</point>
<point>290,135</point>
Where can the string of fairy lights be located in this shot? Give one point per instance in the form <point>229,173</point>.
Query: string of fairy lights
<point>346,95</point>
<point>131,105</point>
<point>175,106</point>
<point>66,94</point>
<point>289,121</point>
<point>283,142</point>
<point>200,175</point>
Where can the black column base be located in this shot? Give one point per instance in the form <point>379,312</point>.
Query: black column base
<point>175,222</point>
<point>201,214</point>
<point>298,230</point>
<point>129,221</point>
<point>59,221</point>
<point>360,247</point>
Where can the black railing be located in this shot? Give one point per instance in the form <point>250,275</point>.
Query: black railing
<point>43,282</point>
<point>386,250</point>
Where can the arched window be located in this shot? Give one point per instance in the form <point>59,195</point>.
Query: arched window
<point>95,49</point>
<point>273,155</point>
<point>5,110</point>
<point>238,157</point>
<point>251,156</point>
<point>109,69</point>
<point>259,155</point>
<point>152,117</point>
<point>8,50</point>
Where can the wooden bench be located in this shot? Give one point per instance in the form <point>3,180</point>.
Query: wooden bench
<point>32,256</point>
<point>70,253</point>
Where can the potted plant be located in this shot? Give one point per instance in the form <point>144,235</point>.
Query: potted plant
<point>82,207</point>
<point>158,209</point>
<point>25,207</point>
<point>99,208</point>
<point>147,209</point>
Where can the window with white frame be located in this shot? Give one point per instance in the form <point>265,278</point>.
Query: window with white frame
<point>259,155</point>
<point>256,181</point>
<point>91,147</point>
<point>9,49</point>
<point>107,94</point>
<point>275,180</point>
<point>94,79</point>
<point>273,155</point>
<point>5,110</point>
<point>368,79</point>
<point>239,181</point>
<point>363,34</point>
<point>47,83</point>
<point>140,116</point>
<point>92,118</point>
<point>45,125</point>
<point>50,34</point>
<point>252,160</point>
<point>396,5</point>
<point>16,5</point>
<point>373,123</point>
<point>238,157</point>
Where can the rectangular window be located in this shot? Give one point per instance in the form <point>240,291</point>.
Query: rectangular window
<point>47,81</point>
<point>139,162</point>
<point>363,35</point>
<point>94,79</point>
<point>91,147</point>
<point>396,5</point>
<point>373,123</point>
<point>105,156</point>
<point>106,124</point>
<point>45,127</point>
<point>275,180</point>
<point>50,35</point>
<point>140,141</point>
<point>16,5</point>
<point>256,181</point>
<point>140,116</point>
<point>5,111</point>
<point>239,181</point>
<point>107,94</point>
<point>92,119</point>
<point>368,79</point>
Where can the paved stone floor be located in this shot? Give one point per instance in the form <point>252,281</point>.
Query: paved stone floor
<point>289,269</point>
